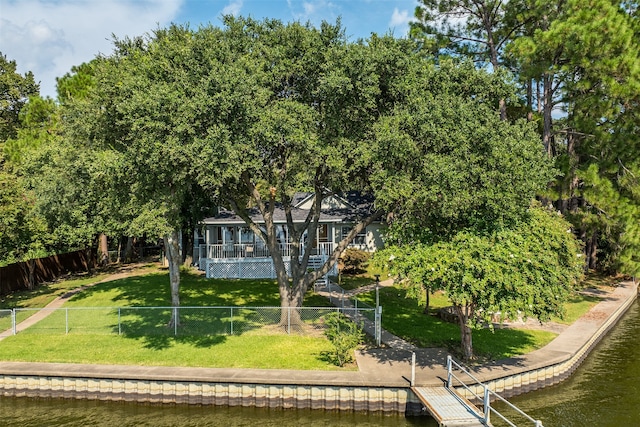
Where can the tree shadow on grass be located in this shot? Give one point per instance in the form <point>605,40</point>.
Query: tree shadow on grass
<point>502,343</point>
<point>153,290</point>
<point>198,326</point>
<point>209,309</point>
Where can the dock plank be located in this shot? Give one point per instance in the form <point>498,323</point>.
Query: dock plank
<point>448,408</point>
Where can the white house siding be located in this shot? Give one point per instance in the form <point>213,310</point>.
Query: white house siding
<point>372,237</point>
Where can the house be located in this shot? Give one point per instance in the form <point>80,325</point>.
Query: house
<point>227,248</point>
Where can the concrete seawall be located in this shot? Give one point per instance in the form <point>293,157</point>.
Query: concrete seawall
<point>381,384</point>
<point>368,399</point>
<point>559,359</point>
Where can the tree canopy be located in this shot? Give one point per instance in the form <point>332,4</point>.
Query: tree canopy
<point>528,269</point>
<point>251,113</point>
<point>15,90</point>
<point>580,82</point>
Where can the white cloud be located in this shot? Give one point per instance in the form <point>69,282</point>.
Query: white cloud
<point>311,8</point>
<point>400,17</point>
<point>49,37</point>
<point>314,11</point>
<point>400,20</point>
<point>232,8</point>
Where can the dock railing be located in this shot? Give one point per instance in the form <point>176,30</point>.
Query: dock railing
<point>487,396</point>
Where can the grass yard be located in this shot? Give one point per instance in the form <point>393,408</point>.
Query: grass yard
<point>203,338</point>
<point>404,317</point>
<point>244,351</point>
<point>47,292</point>
<point>146,340</point>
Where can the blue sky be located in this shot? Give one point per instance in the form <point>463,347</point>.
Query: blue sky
<point>48,37</point>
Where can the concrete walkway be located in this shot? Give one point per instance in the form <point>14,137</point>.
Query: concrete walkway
<point>127,271</point>
<point>342,298</point>
<point>389,366</point>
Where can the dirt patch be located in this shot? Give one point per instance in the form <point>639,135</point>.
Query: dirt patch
<point>595,315</point>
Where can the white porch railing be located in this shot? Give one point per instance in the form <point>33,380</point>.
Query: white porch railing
<point>244,250</point>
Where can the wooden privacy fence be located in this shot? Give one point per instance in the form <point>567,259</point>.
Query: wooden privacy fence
<point>28,274</point>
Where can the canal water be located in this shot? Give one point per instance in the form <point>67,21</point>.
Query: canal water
<point>603,392</point>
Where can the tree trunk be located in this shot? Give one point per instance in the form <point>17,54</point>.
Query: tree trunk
<point>529,100</point>
<point>103,250</point>
<point>28,269</point>
<point>591,250</point>
<point>172,247</point>
<point>427,296</point>
<point>538,97</point>
<point>187,248</point>
<point>118,257</point>
<point>466,342</point>
<point>128,250</point>
<point>547,109</point>
<point>290,303</point>
<point>88,253</point>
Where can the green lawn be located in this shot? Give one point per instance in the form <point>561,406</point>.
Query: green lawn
<point>145,338</point>
<point>244,351</point>
<point>404,317</point>
<point>203,338</point>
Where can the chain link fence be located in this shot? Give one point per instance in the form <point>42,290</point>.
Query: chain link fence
<point>359,311</point>
<point>6,320</point>
<point>192,321</point>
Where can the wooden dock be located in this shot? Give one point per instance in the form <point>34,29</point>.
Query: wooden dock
<point>449,408</point>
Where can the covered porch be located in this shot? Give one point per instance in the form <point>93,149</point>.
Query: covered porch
<point>234,252</point>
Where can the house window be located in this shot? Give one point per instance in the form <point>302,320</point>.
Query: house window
<point>281,234</point>
<point>323,232</point>
<point>360,239</point>
<point>323,235</point>
<point>227,234</point>
<point>246,235</point>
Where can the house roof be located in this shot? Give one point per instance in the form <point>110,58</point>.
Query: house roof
<point>348,207</point>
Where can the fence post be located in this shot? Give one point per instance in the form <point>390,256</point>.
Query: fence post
<point>66,321</point>
<point>413,368</point>
<point>289,319</point>
<point>379,325</point>
<point>13,321</point>
<point>487,407</point>
<point>448,371</point>
<point>231,320</point>
<point>119,324</point>
<point>175,321</point>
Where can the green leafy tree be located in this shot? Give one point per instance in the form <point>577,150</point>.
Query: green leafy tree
<point>15,90</point>
<point>592,73</point>
<point>148,121</point>
<point>528,269</point>
<point>475,29</point>
<point>300,104</point>
<point>23,234</point>
<point>455,174</point>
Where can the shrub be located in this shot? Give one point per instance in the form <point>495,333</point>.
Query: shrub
<point>344,335</point>
<point>354,261</point>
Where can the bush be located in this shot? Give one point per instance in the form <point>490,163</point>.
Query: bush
<point>354,261</point>
<point>344,335</point>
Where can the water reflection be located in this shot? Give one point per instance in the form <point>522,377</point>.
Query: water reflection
<point>604,391</point>
<point>71,413</point>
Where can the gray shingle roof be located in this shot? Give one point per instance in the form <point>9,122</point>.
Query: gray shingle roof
<point>362,205</point>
